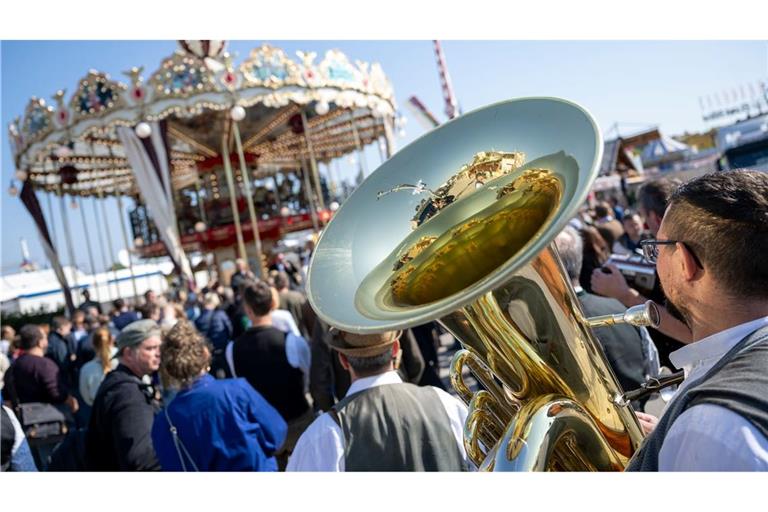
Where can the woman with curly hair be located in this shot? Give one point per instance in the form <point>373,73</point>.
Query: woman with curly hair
<point>211,425</point>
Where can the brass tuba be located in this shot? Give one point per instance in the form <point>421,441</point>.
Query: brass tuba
<point>458,227</point>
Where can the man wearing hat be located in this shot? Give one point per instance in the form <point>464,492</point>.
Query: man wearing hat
<point>119,432</point>
<point>382,424</point>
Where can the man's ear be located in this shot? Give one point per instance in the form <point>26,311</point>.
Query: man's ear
<point>396,348</point>
<point>691,270</point>
<point>343,361</point>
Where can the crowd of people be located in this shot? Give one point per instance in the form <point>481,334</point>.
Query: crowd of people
<point>246,377</point>
<point>225,379</point>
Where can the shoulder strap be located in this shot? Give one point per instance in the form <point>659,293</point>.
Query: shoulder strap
<point>178,444</point>
<point>14,395</point>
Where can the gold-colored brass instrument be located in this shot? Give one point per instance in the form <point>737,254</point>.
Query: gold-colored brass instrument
<point>490,191</point>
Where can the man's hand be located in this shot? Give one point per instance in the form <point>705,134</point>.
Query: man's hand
<point>648,422</point>
<point>611,283</point>
<point>72,403</point>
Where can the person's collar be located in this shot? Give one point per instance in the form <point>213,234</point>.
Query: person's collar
<point>390,377</point>
<point>714,346</point>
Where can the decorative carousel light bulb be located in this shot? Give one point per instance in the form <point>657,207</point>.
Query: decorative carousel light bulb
<point>21,175</point>
<point>334,206</point>
<point>285,211</point>
<point>12,190</point>
<point>138,241</point>
<point>237,113</point>
<point>143,130</point>
<point>200,226</point>
<point>62,152</point>
<point>322,108</point>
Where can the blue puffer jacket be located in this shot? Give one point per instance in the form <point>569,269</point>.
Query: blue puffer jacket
<point>215,325</point>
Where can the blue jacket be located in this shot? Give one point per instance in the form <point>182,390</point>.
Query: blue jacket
<point>225,425</point>
<point>216,326</point>
<point>124,318</point>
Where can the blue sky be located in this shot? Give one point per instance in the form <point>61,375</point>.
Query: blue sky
<point>634,83</point>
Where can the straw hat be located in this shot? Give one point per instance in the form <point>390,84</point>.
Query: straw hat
<point>363,345</point>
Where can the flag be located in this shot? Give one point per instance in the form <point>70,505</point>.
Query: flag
<point>29,199</point>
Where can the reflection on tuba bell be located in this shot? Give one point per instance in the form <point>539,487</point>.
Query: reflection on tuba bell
<point>470,245</point>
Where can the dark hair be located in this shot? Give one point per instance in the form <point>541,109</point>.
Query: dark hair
<point>118,303</point>
<point>723,218</point>
<point>367,366</point>
<point>654,195</point>
<point>59,321</point>
<point>596,249</point>
<point>258,297</point>
<point>602,209</point>
<point>281,280</point>
<point>148,310</point>
<point>628,214</point>
<point>30,336</point>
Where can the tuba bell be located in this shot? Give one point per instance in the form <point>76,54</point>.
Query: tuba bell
<point>458,227</point>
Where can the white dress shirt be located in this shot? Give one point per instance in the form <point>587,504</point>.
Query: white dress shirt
<point>321,446</point>
<point>708,437</point>
<point>283,319</point>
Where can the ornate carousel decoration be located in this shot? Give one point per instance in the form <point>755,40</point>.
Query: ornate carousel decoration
<point>242,142</point>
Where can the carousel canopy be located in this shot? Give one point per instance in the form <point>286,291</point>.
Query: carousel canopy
<point>72,146</point>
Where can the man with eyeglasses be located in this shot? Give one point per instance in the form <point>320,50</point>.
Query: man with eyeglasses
<point>711,259</point>
<point>672,333</point>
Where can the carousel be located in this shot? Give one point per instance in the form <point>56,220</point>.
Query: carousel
<point>219,158</point>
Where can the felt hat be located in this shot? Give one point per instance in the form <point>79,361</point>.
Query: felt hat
<point>363,345</point>
<point>136,332</point>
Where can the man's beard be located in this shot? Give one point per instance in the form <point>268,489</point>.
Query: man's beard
<point>678,312</point>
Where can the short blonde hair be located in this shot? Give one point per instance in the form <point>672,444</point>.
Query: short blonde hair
<point>211,299</point>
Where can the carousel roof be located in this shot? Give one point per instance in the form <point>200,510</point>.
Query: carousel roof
<point>72,147</point>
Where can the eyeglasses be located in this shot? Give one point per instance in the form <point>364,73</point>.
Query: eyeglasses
<point>651,249</point>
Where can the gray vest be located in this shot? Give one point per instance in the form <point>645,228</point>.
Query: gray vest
<point>397,427</point>
<point>738,382</point>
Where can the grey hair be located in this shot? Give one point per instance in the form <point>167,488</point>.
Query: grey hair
<point>370,365</point>
<point>571,248</point>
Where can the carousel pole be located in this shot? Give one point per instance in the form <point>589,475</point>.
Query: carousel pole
<point>109,241</point>
<point>312,160</point>
<point>359,145</point>
<point>389,135</point>
<point>90,251</point>
<point>337,172</point>
<point>380,143</point>
<point>125,241</point>
<point>248,195</point>
<point>232,198</point>
<point>199,201</point>
<point>308,192</point>
<point>68,240</point>
<point>277,193</point>
<point>101,247</point>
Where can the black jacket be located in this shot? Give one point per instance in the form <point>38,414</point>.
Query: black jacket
<point>119,432</point>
